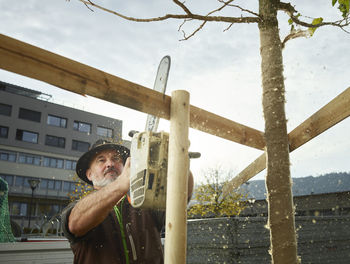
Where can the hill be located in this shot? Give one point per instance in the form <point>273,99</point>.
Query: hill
<point>328,183</point>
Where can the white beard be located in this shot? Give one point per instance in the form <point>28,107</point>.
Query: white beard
<point>103,182</point>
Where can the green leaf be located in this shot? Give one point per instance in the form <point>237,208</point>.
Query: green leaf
<point>334,2</point>
<point>290,21</point>
<point>344,7</point>
<point>317,21</point>
<point>346,3</point>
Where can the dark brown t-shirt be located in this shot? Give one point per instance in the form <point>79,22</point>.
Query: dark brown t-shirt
<point>103,244</point>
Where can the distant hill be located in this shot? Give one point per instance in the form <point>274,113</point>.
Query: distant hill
<point>328,183</point>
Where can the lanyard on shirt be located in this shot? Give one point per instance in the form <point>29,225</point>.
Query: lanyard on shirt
<point>120,221</point>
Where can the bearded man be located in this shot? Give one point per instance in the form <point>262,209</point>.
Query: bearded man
<point>103,227</point>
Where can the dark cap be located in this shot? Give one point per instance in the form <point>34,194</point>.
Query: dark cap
<point>84,162</point>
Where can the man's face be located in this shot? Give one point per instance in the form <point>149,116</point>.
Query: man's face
<point>105,168</point>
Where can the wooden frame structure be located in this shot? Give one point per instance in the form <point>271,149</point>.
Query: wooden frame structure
<point>33,62</point>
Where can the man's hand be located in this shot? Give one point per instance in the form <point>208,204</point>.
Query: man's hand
<point>123,181</point>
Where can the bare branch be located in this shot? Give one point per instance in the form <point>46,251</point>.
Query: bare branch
<point>202,25</point>
<point>239,7</point>
<point>296,34</point>
<point>346,31</point>
<point>182,5</point>
<point>194,32</point>
<point>183,23</point>
<point>228,27</point>
<point>220,8</point>
<point>88,7</point>
<point>182,16</point>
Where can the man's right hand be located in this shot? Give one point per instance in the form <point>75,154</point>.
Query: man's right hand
<point>123,180</point>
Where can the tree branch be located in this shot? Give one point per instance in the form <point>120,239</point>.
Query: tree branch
<point>202,25</point>
<point>290,10</point>
<point>182,5</point>
<point>237,6</point>
<point>194,32</point>
<point>294,16</point>
<point>296,34</point>
<point>180,16</point>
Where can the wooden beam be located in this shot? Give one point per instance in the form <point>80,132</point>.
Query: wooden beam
<point>221,127</point>
<point>40,64</point>
<point>332,113</point>
<point>249,172</point>
<point>22,58</point>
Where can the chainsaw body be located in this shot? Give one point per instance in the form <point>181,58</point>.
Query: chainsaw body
<point>148,171</point>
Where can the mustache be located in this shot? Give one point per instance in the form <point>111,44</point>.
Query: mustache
<point>111,169</point>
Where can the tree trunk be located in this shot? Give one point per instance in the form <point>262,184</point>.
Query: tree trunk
<point>278,180</point>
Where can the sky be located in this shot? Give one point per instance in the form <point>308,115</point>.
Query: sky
<point>219,68</point>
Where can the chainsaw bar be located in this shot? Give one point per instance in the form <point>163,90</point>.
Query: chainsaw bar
<point>159,86</point>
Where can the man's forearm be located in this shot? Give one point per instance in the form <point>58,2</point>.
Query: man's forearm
<point>94,208</point>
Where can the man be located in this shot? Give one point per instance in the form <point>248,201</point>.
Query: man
<point>103,227</point>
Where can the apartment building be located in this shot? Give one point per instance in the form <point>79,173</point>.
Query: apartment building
<point>42,141</point>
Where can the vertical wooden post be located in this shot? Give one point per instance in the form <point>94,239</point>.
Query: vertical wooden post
<point>177,183</point>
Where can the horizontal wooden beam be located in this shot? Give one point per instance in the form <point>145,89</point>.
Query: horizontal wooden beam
<point>25,59</point>
<point>331,114</point>
<point>219,126</point>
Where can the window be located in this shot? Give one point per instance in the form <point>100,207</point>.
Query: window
<point>58,185</point>
<point>5,109</point>
<point>50,184</point>
<point>53,162</point>
<point>68,186</point>
<point>8,178</point>
<point>80,146</point>
<point>82,127</point>
<point>4,132</point>
<point>56,121</point>
<point>19,181</point>
<point>29,159</point>
<point>105,132</point>
<point>48,209</point>
<point>27,136</point>
<point>54,141</point>
<point>70,164</point>
<point>19,209</point>
<point>43,184</point>
<point>26,182</point>
<point>29,115</point>
<point>7,156</point>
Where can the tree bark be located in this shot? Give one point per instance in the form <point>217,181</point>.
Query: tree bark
<point>278,181</point>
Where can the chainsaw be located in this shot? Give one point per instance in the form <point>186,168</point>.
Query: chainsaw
<point>149,155</point>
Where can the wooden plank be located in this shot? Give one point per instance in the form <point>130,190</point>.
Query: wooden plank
<point>219,126</point>
<point>331,114</point>
<point>33,62</point>
<point>40,64</point>
<point>249,172</point>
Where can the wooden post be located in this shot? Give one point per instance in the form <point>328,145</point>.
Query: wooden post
<point>177,183</point>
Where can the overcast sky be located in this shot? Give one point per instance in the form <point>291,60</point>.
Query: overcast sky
<point>220,69</point>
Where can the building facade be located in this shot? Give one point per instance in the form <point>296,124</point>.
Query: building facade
<point>42,141</point>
